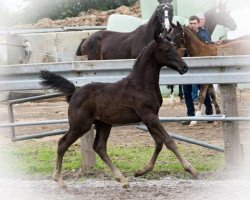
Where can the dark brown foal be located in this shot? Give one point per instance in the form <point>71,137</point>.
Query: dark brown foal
<point>136,98</point>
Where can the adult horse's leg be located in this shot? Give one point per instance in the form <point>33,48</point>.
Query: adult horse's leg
<point>181,92</point>
<point>212,93</point>
<point>155,128</point>
<point>151,163</point>
<point>171,93</point>
<point>100,146</point>
<point>202,95</point>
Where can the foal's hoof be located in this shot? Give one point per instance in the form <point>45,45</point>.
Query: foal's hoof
<point>138,173</point>
<point>125,185</point>
<point>197,176</point>
<point>193,172</point>
<point>60,182</point>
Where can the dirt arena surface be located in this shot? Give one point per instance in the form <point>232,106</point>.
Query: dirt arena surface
<point>232,185</point>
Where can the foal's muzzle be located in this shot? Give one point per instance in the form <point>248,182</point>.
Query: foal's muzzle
<point>184,70</point>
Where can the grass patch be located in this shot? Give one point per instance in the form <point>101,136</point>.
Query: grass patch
<point>37,159</point>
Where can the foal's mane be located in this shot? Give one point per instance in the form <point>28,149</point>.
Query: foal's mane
<point>140,56</point>
<point>195,36</point>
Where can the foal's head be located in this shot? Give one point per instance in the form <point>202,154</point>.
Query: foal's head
<point>221,15</point>
<point>181,35</point>
<point>165,55</point>
<point>164,13</point>
<point>176,36</point>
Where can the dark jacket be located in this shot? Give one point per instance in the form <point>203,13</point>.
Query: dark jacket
<point>204,35</point>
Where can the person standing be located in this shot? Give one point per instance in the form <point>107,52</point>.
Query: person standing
<point>194,26</point>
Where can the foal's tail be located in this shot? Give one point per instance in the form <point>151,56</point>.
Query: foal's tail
<point>78,51</point>
<point>58,82</point>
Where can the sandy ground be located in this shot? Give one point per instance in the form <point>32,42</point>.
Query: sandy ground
<point>223,186</point>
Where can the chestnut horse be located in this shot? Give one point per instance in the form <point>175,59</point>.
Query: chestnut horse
<point>218,15</point>
<point>105,45</point>
<point>135,98</point>
<point>243,37</point>
<point>184,36</point>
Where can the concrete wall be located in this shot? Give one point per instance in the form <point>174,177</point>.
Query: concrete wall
<point>45,47</point>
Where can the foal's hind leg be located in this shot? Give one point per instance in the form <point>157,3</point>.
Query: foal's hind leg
<point>100,146</point>
<point>151,163</point>
<point>64,143</point>
<point>155,127</point>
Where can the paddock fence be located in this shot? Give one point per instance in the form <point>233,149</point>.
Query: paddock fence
<point>227,71</point>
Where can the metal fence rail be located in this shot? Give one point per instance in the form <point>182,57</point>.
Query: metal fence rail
<point>226,70</point>
<point>49,30</point>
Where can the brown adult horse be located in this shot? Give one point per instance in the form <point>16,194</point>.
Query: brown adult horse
<point>184,36</point>
<point>105,45</point>
<point>136,98</point>
<point>217,15</point>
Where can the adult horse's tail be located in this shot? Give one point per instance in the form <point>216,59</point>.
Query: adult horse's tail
<point>78,51</point>
<point>58,82</point>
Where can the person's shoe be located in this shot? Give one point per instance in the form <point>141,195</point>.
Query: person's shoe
<point>186,122</point>
<point>210,122</point>
<point>195,102</point>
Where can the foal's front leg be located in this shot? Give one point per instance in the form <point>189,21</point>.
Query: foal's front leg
<point>150,165</point>
<point>155,128</point>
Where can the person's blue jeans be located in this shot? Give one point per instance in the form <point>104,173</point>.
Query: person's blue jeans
<point>195,92</point>
<point>189,101</point>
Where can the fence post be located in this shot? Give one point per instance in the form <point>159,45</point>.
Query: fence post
<point>233,150</point>
<point>88,158</point>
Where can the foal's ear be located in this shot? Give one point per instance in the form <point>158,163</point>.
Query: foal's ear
<point>157,37</point>
<point>179,26</point>
<point>173,25</point>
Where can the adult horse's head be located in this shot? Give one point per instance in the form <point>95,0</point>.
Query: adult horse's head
<point>221,14</point>
<point>165,55</point>
<point>164,13</point>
